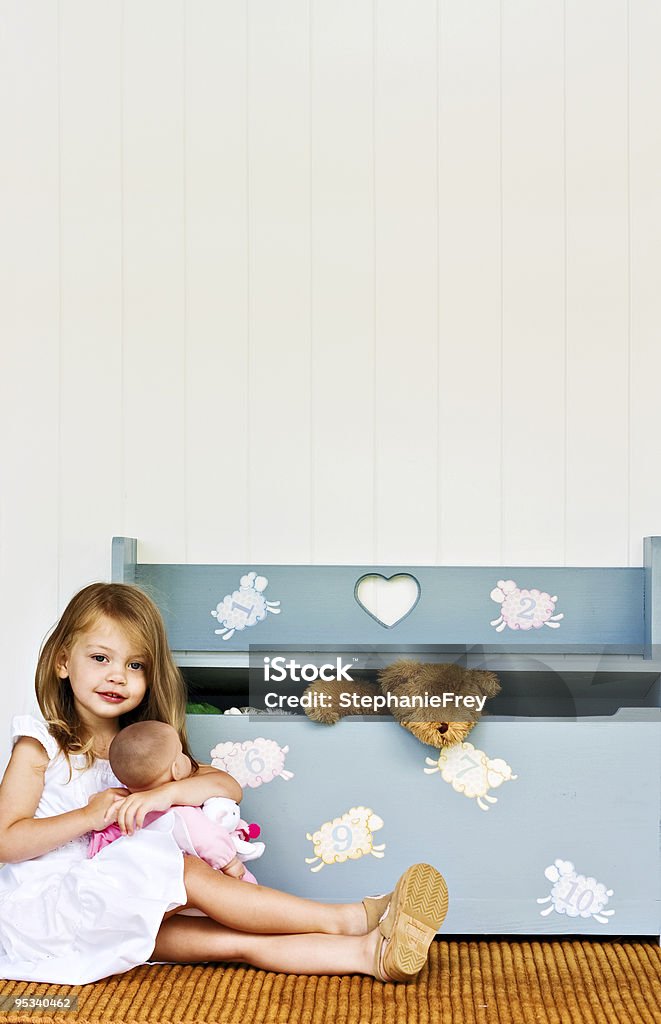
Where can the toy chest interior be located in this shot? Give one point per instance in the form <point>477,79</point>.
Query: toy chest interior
<point>545,821</point>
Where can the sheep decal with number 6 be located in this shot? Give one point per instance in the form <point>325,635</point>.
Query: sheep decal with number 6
<point>253,762</point>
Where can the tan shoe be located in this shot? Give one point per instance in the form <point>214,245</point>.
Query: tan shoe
<point>375,908</point>
<point>378,970</point>
<point>417,910</point>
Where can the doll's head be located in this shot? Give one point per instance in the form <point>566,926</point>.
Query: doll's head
<point>148,754</point>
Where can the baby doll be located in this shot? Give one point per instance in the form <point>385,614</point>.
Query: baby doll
<point>149,754</point>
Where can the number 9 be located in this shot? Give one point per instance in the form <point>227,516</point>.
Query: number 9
<point>342,838</point>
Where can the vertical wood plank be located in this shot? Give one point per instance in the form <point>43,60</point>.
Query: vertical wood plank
<point>406,292</point>
<point>29,347</point>
<point>342,204</point>
<point>217,406</point>
<point>153,278</point>
<point>124,559</point>
<point>645,224</point>
<point>91,246</point>
<point>279,283</point>
<point>597,284</point>
<point>469,402</point>
<point>652,596</point>
<point>533,482</point>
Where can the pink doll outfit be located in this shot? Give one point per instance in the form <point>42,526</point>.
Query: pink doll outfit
<point>195,833</point>
<point>71,920</point>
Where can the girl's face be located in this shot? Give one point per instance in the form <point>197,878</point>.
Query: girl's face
<point>106,671</point>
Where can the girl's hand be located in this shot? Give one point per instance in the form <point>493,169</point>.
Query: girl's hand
<point>235,868</point>
<point>102,808</point>
<point>137,806</point>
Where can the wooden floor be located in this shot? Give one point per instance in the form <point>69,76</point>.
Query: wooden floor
<point>495,982</point>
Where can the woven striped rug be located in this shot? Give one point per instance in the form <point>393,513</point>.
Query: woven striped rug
<point>530,982</point>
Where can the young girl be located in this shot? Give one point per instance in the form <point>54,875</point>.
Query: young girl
<point>68,919</point>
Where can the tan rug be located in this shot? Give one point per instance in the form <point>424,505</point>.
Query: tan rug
<point>533,982</point>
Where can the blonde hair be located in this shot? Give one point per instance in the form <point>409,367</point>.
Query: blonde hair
<point>136,613</point>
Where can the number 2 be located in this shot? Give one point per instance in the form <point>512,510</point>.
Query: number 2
<point>527,613</point>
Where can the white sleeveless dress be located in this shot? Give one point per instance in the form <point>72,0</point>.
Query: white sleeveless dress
<point>71,920</point>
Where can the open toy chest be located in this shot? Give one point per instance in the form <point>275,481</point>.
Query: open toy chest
<point>546,821</point>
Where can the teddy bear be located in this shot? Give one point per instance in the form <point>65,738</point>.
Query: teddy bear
<point>459,696</point>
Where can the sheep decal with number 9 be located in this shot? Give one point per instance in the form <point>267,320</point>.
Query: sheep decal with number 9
<point>346,838</point>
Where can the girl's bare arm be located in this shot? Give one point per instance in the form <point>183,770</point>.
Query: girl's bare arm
<point>22,836</point>
<point>206,783</point>
<point>193,791</point>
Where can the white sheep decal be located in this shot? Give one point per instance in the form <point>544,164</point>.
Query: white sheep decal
<point>346,838</point>
<point>253,762</point>
<point>523,609</point>
<point>471,772</point>
<point>244,607</point>
<point>575,895</point>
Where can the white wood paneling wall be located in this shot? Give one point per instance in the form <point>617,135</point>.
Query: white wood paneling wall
<point>342,275</point>
<point>35,472</point>
<point>327,281</point>
<point>468,497</point>
<point>599,398</point>
<point>533,372</point>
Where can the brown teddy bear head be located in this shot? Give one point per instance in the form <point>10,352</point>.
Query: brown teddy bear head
<point>435,726</point>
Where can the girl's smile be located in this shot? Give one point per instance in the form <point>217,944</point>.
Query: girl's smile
<point>105,670</point>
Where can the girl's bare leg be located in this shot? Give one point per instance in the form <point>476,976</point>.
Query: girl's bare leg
<point>239,905</point>
<point>200,940</point>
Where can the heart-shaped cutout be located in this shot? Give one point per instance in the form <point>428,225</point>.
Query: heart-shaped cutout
<point>387,599</point>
